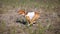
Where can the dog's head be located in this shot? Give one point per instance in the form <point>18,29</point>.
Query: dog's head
<point>21,12</point>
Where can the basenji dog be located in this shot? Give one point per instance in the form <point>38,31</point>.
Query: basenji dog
<point>31,17</point>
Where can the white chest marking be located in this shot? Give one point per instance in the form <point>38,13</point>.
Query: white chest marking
<point>31,14</point>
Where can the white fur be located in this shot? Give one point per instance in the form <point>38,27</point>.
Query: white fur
<point>30,14</point>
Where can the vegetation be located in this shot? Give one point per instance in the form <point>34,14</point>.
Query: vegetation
<point>51,6</point>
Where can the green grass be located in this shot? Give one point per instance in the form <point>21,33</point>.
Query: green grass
<point>32,3</point>
<point>12,30</point>
<point>49,4</point>
<point>2,26</point>
<point>40,29</point>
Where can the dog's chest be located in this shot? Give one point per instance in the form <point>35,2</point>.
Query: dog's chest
<point>30,14</point>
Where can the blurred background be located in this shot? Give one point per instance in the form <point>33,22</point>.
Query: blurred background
<point>48,23</point>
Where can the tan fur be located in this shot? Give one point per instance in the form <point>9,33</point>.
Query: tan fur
<point>21,12</point>
<point>30,21</point>
<point>36,16</point>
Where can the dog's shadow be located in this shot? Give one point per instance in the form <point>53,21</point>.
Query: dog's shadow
<point>22,21</point>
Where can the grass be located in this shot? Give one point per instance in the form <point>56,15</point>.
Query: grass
<point>40,29</point>
<point>49,4</point>
<point>12,30</point>
<point>2,26</point>
<point>31,3</point>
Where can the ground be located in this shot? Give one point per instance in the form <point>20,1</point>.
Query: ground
<point>49,21</point>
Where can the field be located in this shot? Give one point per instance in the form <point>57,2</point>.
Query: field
<point>48,23</point>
